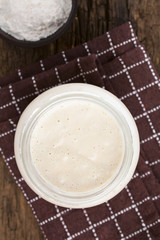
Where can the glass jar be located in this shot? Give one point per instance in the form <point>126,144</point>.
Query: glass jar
<point>43,103</point>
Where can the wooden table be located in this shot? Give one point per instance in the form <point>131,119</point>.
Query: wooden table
<point>94,17</point>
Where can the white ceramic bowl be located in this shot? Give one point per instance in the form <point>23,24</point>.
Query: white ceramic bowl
<point>45,102</point>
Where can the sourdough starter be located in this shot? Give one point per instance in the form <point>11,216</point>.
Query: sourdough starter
<point>77,146</point>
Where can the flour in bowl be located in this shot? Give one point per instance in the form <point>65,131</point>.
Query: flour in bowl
<point>33,20</point>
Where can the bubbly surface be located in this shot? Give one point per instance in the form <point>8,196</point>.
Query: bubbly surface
<point>77,146</point>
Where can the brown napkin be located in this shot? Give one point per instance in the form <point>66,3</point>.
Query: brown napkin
<point>117,62</point>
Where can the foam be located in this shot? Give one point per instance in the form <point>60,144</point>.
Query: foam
<point>77,146</point>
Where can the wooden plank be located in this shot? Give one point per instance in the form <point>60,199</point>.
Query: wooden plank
<point>144,16</point>
<point>93,18</point>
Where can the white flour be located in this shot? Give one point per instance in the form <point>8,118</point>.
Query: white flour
<point>33,19</point>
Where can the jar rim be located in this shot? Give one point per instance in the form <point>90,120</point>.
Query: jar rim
<point>63,93</point>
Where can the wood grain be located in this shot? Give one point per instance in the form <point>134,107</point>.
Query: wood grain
<point>93,18</point>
